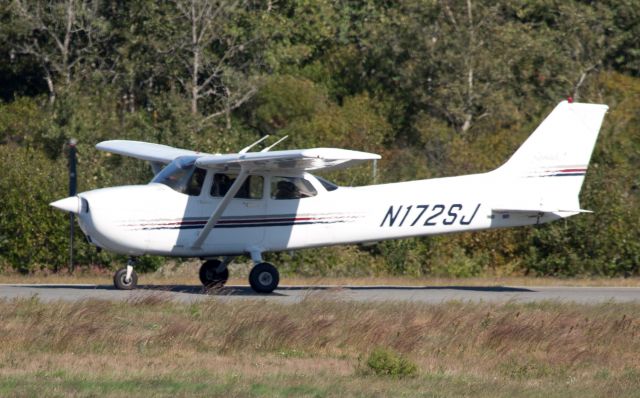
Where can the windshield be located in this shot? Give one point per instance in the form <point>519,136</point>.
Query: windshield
<point>182,176</point>
<point>328,185</point>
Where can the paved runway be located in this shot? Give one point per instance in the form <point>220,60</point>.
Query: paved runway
<point>293,294</point>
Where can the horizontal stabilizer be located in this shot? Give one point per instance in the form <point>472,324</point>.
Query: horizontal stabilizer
<point>539,210</point>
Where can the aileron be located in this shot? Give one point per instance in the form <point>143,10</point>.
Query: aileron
<point>145,150</point>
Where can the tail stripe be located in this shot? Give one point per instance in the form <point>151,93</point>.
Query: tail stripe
<point>561,172</point>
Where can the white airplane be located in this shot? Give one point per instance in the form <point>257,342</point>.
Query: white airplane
<point>214,206</point>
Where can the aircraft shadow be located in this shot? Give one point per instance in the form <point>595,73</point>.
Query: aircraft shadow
<point>282,291</point>
<point>497,289</point>
<point>197,289</point>
<point>188,289</point>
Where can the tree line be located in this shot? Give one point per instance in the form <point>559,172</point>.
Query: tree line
<point>438,87</point>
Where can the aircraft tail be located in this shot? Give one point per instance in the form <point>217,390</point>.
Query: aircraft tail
<point>549,168</point>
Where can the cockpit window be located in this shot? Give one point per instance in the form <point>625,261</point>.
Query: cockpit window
<point>182,176</point>
<point>194,186</point>
<point>251,189</point>
<point>291,188</point>
<point>328,185</point>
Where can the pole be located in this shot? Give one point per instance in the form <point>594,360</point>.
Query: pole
<point>72,192</point>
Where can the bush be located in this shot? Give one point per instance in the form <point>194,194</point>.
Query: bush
<point>384,362</point>
<point>32,234</point>
<point>149,263</point>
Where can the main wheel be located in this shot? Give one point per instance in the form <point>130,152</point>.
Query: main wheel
<point>209,275</point>
<point>120,282</point>
<point>264,278</point>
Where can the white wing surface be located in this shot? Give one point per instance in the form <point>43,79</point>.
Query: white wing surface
<point>145,150</point>
<point>297,160</point>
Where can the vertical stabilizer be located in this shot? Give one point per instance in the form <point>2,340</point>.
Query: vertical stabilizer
<point>550,166</point>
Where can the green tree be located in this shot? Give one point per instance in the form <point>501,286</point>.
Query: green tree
<point>59,36</point>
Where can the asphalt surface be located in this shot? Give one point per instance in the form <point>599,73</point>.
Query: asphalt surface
<point>293,294</point>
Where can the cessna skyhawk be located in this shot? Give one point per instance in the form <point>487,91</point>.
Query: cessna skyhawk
<point>215,206</point>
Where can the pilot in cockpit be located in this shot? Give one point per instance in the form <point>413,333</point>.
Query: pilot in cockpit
<point>221,184</point>
<point>287,190</point>
<point>195,183</point>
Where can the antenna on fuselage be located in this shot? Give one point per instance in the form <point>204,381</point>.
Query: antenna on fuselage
<point>274,144</point>
<point>246,149</point>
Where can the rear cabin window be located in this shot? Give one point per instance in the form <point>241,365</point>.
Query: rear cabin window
<point>291,188</point>
<point>251,189</point>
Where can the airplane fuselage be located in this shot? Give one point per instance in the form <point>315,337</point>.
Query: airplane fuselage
<point>155,219</point>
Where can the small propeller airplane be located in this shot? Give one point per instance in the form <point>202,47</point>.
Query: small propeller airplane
<point>213,206</point>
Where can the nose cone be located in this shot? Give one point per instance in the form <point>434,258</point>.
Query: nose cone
<point>71,204</point>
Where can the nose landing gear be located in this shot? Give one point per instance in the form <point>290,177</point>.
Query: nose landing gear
<point>126,278</point>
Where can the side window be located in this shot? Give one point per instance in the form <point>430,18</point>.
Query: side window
<point>251,189</point>
<point>291,188</point>
<point>194,185</point>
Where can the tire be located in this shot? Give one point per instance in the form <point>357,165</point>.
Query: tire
<point>209,277</point>
<point>119,280</point>
<point>264,278</point>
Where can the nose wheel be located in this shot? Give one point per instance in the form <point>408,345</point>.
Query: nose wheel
<point>264,278</point>
<point>126,278</point>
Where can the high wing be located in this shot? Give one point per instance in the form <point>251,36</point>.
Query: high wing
<point>155,153</point>
<point>295,160</point>
<point>292,160</point>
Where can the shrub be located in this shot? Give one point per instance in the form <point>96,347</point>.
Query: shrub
<point>32,234</point>
<point>384,362</point>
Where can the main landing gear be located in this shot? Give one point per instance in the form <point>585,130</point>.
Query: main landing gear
<point>214,273</point>
<point>263,278</point>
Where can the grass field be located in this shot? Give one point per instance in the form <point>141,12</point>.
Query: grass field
<point>317,348</point>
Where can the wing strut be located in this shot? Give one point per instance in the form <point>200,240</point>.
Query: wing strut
<point>213,220</point>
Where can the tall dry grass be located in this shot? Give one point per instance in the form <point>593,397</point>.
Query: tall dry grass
<point>507,340</point>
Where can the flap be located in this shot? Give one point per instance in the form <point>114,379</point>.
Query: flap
<point>296,160</point>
